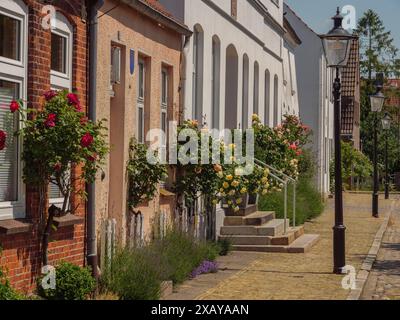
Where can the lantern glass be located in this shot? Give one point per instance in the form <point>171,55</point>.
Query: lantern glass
<point>337,50</point>
<point>386,122</point>
<point>377,102</point>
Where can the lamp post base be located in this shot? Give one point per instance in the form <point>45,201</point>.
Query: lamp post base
<point>339,259</point>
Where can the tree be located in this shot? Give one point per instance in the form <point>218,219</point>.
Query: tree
<point>377,54</point>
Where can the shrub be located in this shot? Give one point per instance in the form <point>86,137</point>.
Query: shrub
<point>133,276</point>
<point>137,273</point>
<point>6,291</point>
<point>225,246</point>
<point>72,283</point>
<point>308,201</point>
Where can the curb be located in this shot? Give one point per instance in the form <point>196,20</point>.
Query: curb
<point>366,267</point>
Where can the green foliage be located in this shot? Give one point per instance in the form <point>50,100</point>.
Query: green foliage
<point>137,273</point>
<point>143,176</point>
<point>72,283</point>
<point>6,291</point>
<point>308,204</point>
<point>225,246</point>
<point>354,164</point>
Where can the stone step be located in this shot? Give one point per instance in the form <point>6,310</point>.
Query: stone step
<point>291,235</point>
<point>302,244</point>
<point>249,209</point>
<point>259,218</point>
<point>247,240</point>
<point>272,228</point>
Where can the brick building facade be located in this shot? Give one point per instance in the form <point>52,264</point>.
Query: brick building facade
<point>34,59</point>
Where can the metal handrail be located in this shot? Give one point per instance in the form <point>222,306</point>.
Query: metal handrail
<point>285,182</point>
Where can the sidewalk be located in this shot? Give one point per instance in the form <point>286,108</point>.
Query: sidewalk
<point>384,279</point>
<point>268,276</point>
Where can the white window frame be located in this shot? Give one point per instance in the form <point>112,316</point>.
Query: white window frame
<point>62,81</point>
<point>16,71</point>
<point>141,100</point>
<point>63,28</point>
<point>164,105</point>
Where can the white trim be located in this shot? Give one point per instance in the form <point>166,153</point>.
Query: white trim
<point>64,29</point>
<point>141,101</point>
<point>16,71</point>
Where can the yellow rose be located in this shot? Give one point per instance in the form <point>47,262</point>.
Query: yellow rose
<point>215,201</point>
<point>220,174</point>
<point>234,183</point>
<point>264,180</point>
<point>225,185</point>
<point>239,200</point>
<point>236,209</point>
<point>229,202</point>
<point>229,177</point>
<point>265,191</point>
<point>232,192</point>
<point>243,190</point>
<point>221,190</point>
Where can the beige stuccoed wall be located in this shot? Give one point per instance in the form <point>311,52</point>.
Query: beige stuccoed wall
<point>129,29</point>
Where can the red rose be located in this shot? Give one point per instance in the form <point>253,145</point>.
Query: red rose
<point>57,166</point>
<point>3,137</point>
<point>299,152</point>
<point>14,106</point>
<point>72,99</point>
<point>50,121</point>
<point>293,146</point>
<point>48,95</point>
<point>93,157</point>
<point>84,120</point>
<point>86,140</point>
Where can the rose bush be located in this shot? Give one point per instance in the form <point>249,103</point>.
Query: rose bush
<point>56,141</point>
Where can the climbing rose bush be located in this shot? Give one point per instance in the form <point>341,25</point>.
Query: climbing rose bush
<point>3,138</point>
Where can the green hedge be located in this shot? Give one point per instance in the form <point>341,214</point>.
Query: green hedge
<point>309,203</point>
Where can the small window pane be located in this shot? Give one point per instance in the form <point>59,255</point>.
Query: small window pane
<point>140,125</point>
<point>8,156</point>
<point>164,87</point>
<point>58,53</point>
<point>10,37</point>
<point>141,80</point>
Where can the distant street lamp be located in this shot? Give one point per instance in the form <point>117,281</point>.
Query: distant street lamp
<point>337,44</point>
<point>386,120</point>
<point>377,102</point>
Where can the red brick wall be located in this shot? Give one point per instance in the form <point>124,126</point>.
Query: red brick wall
<point>21,255</point>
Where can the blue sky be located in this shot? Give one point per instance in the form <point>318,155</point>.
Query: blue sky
<point>317,13</point>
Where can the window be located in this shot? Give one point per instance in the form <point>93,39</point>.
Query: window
<point>61,53</point>
<point>245,93</point>
<point>13,56</point>
<point>10,37</point>
<point>216,72</point>
<point>140,100</point>
<point>256,88</point>
<point>61,74</point>
<point>164,109</point>
<point>267,95</point>
<point>234,8</point>
<point>277,119</point>
<point>198,59</point>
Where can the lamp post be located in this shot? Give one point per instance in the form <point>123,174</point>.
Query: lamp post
<point>337,45</point>
<point>386,127</point>
<point>377,102</point>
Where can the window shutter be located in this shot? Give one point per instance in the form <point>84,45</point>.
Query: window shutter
<point>8,156</point>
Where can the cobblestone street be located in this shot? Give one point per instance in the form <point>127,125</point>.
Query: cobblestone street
<point>384,280</point>
<point>270,276</point>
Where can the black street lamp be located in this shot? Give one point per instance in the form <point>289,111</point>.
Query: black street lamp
<point>337,44</point>
<point>377,102</point>
<point>386,120</point>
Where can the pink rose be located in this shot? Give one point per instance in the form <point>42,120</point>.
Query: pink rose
<point>299,152</point>
<point>3,137</point>
<point>48,95</point>
<point>51,120</point>
<point>293,146</point>
<point>86,140</point>
<point>14,106</point>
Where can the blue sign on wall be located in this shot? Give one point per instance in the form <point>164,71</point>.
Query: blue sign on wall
<point>132,60</point>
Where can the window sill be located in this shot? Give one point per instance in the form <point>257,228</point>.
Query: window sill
<point>14,226</point>
<point>67,220</point>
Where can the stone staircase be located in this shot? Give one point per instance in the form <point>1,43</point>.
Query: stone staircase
<point>253,230</point>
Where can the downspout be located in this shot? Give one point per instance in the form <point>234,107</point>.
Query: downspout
<point>183,78</point>
<point>91,243</point>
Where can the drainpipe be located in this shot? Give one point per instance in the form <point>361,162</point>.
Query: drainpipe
<point>91,244</point>
<point>183,77</point>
